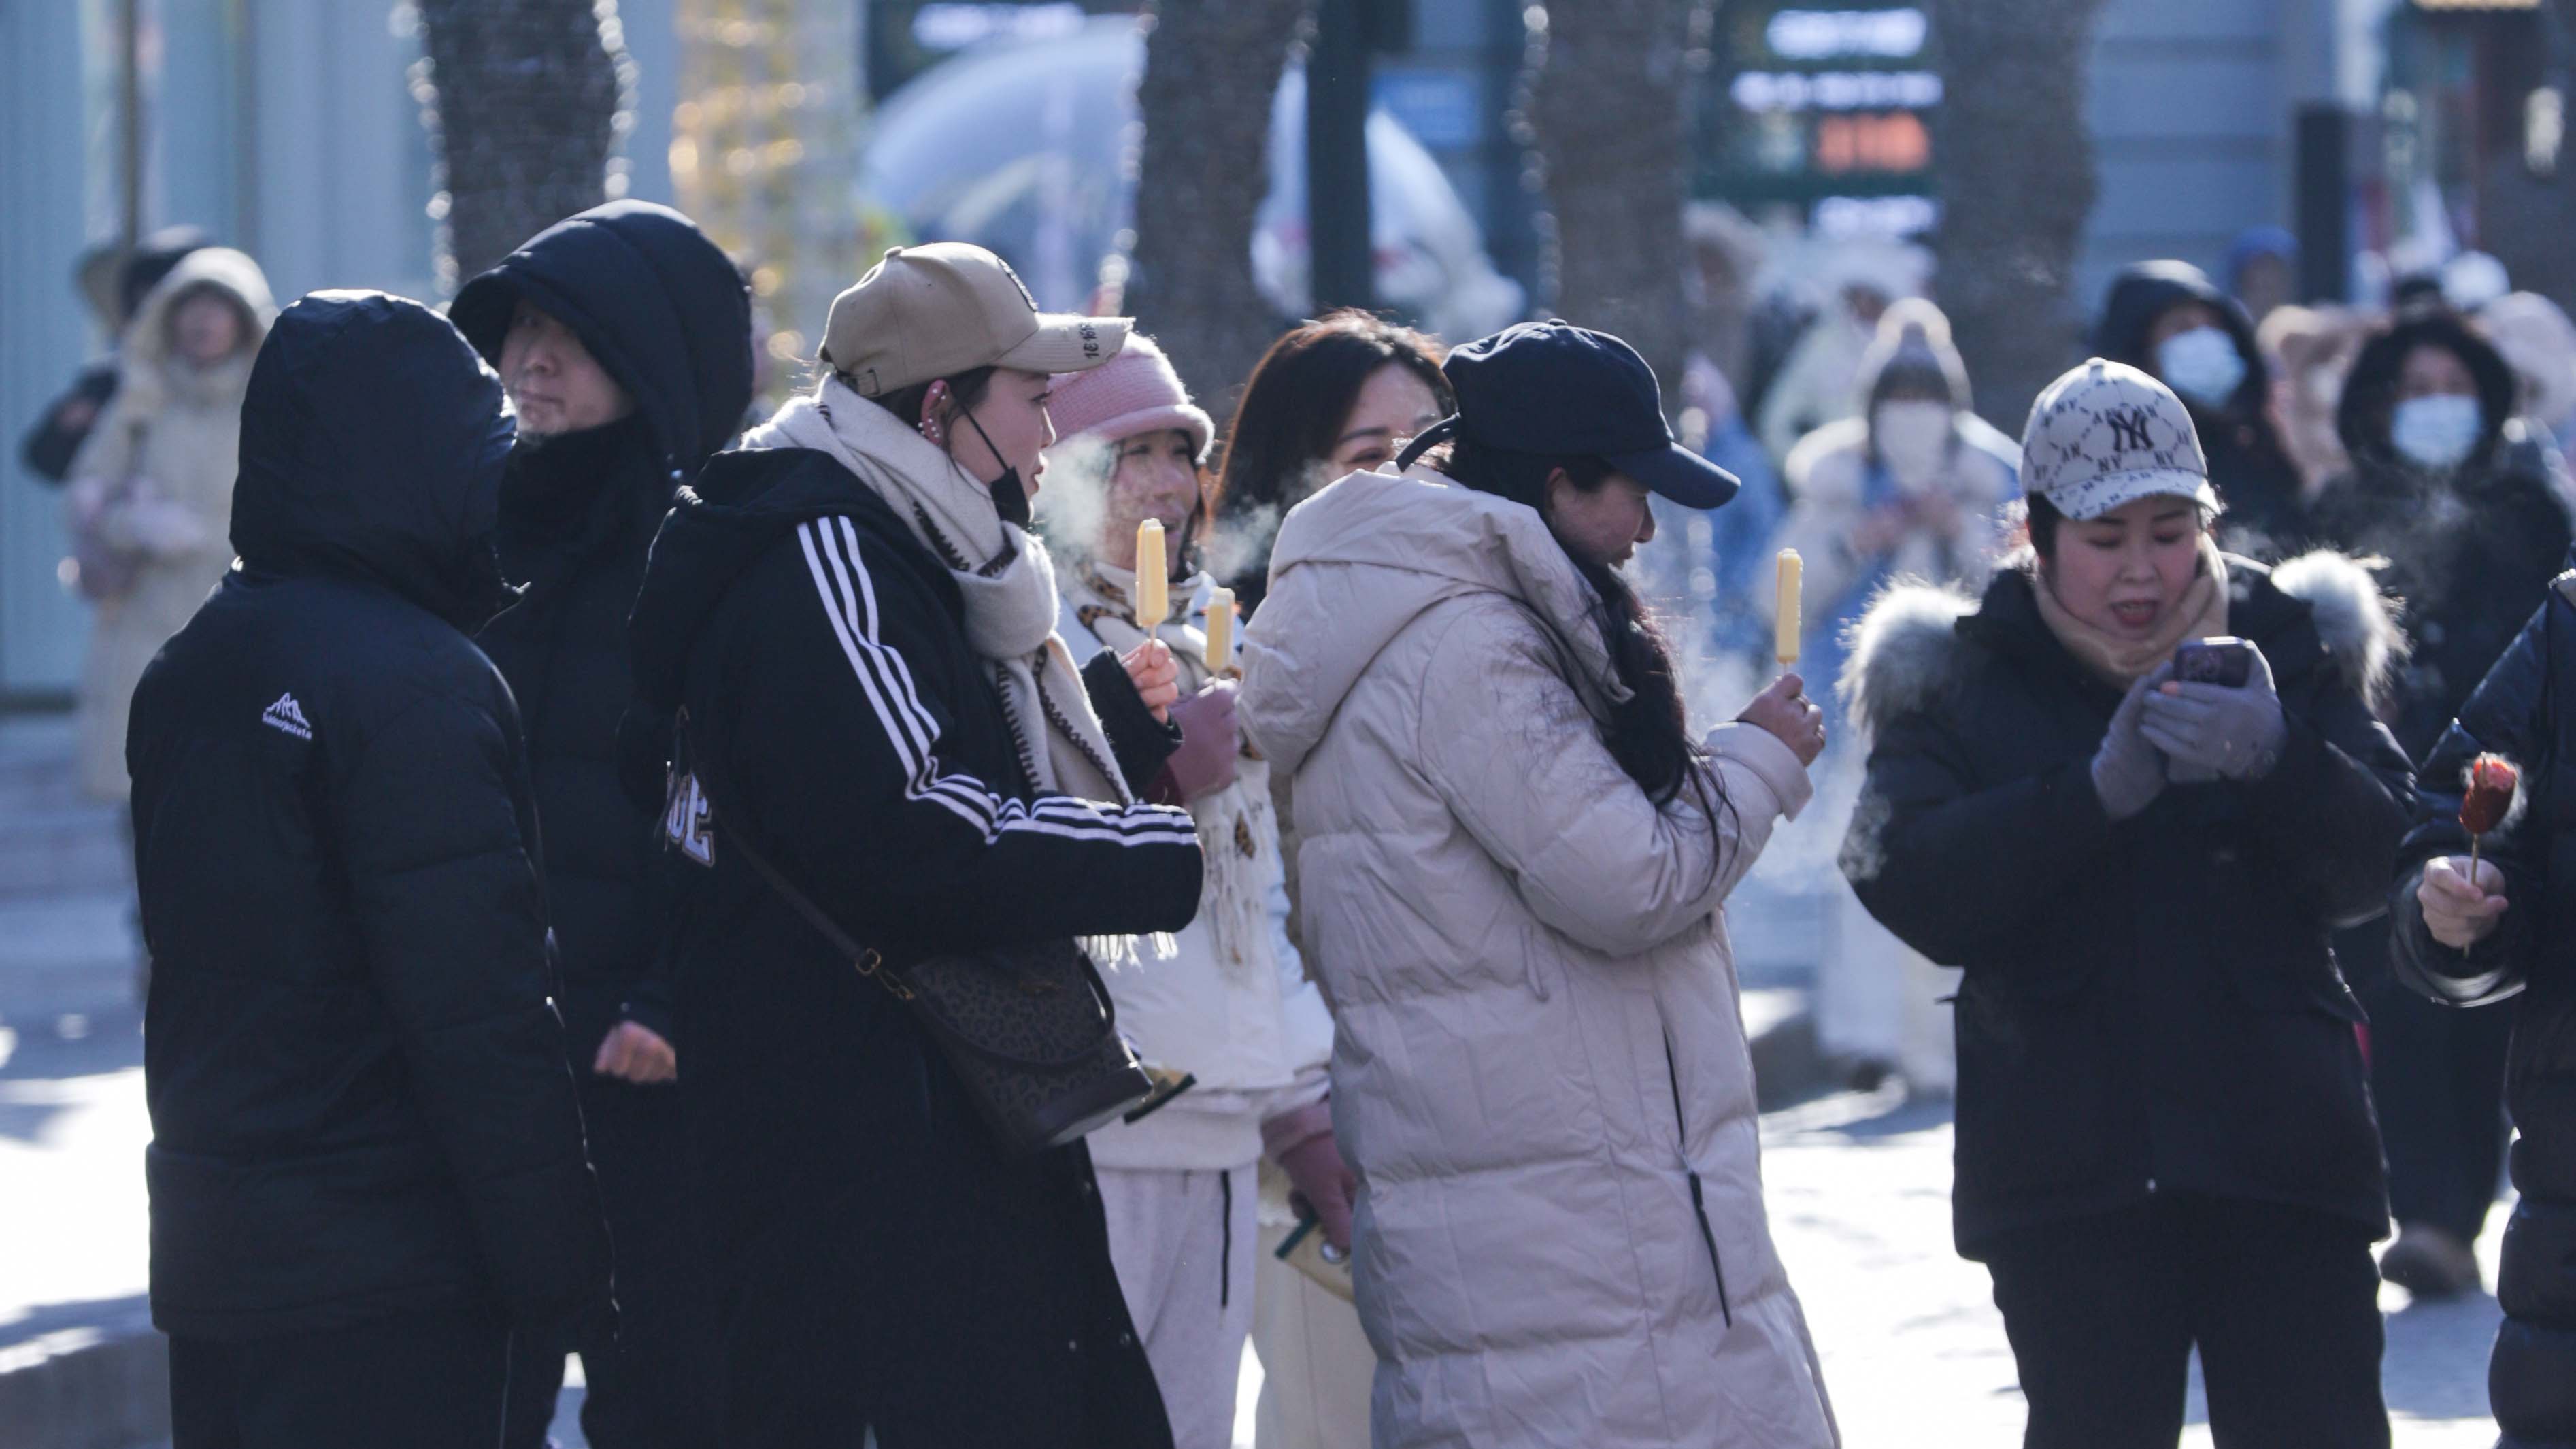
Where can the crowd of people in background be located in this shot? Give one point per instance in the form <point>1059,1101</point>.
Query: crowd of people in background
<point>537,824</point>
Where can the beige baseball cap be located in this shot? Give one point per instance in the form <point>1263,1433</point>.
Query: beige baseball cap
<point>2106,434</point>
<point>944,308</point>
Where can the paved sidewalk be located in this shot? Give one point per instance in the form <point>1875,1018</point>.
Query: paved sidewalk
<point>1914,1352</point>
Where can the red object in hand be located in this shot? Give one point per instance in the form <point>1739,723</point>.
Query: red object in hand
<point>2492,780</point>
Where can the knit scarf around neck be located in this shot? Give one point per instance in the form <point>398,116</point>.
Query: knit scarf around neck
<point>1005,575</point>
<point>2201,614</point>
<point>1237,824</point>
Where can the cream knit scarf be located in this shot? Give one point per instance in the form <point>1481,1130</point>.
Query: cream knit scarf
<point>1006,577</point>
<point>2201,614</point>
<point>1236,824</point>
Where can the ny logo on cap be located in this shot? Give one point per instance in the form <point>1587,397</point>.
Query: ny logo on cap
<point>2129,429</point>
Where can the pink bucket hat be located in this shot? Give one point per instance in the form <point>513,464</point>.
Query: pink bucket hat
<point>1133,392</point>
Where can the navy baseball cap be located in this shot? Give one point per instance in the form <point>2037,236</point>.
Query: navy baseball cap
<point>1554,388</point>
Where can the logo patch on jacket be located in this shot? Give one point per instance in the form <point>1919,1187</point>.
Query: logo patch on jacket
<point>287,715</point>
<point>689,821</point>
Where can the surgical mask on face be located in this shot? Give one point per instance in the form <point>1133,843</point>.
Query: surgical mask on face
<point>2202,364</point>
<point>1010,495</point>
<point>2437,431</point>
<point>1913,439</point>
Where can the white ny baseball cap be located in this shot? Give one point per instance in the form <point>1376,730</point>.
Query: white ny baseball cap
<point>2106,434</point>
<point>944,308</point>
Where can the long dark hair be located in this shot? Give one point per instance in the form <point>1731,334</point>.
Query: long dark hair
<point>1649,732</point>
<point>1291,416</point>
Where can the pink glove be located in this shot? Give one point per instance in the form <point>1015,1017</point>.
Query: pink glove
<point>1204,764</point>
<point>1323,1185</point>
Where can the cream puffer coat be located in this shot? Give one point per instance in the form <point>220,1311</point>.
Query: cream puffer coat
<point>158,472</point>
<point>1540,1072</point>
<point>1237,1014</point>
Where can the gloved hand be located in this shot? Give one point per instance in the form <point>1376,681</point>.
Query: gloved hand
<point>2460,911</point>
<point>2128,771</point>
<point>1323,1185</point>
<point>1204,764</point>
<point>2236,732</point>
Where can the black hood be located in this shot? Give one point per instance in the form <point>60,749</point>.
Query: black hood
<point>2369,402</point>
<point>719,526</point>
<point>2145,291</point>
<point>372,443</point>
<point>659,305</point>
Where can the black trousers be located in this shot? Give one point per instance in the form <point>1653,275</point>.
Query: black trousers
<point>2283,1303</point>
<point>2437,1076</point>
<point>655,1385</point>
<point>430,1380</point>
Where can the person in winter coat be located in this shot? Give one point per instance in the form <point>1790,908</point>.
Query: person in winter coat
<point>115,284</point>
<point>1913,488</point>
<point>1232,1006</point>
<point>153,485</point>
<point>2164,1127</point>
<point>1817,383</point>
<point>1345,391</point>
<point>624,338</point>
<point>856,634</point>
<point>1513,860</point>
<point>2170,321</point>
<point>2471,538</point>
<point>366,1164</point>
<point>2475,934</point>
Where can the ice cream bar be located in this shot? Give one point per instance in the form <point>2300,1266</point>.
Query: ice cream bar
<point>1220,630</point>
<point>1792,615</point>
<point>2490,795</point>
<point>1153,575</point>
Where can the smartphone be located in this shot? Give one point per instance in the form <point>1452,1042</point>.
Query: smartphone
<point>2227,663</point>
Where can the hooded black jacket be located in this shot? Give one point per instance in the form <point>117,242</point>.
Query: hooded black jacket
<point>2148,1006</point>
<point>837,717</point>
<point>2521,710</point>
<point>2247,464</point>
<point>358,1093</point>
<point>663,310</point>
<point>2467,550</point>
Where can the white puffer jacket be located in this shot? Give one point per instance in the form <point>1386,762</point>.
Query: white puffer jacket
<point>1245,1021</point>
<point>1540,1072</point>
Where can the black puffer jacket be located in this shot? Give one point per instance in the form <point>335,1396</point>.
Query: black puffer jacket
<point>662,309</point>
<point>2149,1006</point>
<point>838,718</point>
<point>2522,710</point>
<point>2468,550</point>
<point>2252,472</point>
<point>358,1092</point>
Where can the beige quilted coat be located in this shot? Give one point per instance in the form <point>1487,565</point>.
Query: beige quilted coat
<point>170,440</point>
<point>1539,1069</point>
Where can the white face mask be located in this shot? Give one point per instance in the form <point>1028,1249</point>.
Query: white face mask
<point>2202,364</point>
<point>2437,431</point>
<point>1913,439</point>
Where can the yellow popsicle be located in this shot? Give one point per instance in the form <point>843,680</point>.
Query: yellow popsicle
<point>1220,630</point>
<point>1792,614</point>
<point>1153,576</point>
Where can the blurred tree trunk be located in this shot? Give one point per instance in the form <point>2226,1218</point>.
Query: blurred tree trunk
<point>2015,158</point>
<point>1211,73</point>
<point>2525,219</point>
<point>1606,86</point>
<point>523,95</point>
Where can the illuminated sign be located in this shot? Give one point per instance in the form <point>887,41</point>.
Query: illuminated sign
<point>1833,34</point>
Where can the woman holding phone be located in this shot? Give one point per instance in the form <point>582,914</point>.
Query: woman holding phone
<point>2165,1137</point>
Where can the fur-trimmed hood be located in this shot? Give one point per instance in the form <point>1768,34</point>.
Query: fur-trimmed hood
<point>1906,649</point>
